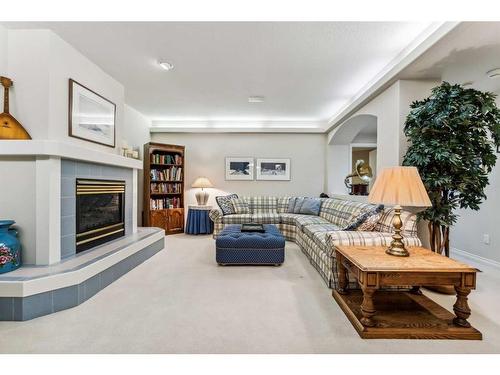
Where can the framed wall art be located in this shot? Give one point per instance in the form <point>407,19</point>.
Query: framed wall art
<point>239,169</point>
<point>273,169</point>
<point>91,116</point>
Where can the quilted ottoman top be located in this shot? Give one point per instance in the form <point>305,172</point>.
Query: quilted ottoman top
<point>233,237</point>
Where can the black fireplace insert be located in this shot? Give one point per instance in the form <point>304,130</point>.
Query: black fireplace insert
<point>100,211</point>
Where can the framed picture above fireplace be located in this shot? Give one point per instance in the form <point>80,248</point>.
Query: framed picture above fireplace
<point>91,116</point>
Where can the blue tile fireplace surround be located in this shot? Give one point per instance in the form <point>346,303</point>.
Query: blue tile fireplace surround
<point>70,171</point>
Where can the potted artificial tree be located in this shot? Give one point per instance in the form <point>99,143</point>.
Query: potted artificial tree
<point>454,135</point>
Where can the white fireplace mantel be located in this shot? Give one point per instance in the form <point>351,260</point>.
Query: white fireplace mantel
<point>65,150</point>
<point>47,160</point>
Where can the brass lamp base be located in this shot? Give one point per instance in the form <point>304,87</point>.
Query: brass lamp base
<point>397,247</point>
<point>201,197</point>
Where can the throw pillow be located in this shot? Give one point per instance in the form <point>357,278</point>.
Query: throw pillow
<point>240,206</point>
<point>225,204</point>
<point>291,205</point>
<point>310,206</point>
<point>361,218</point>
<point>298,204</point>
<point>369,223</point>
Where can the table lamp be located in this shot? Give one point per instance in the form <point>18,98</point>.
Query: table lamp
<point>202,196</point>
<point>399,186</point>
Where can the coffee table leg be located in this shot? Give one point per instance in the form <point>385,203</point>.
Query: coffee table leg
<point>367,307</point>
<point>342,271</point>
<point>461,307</point>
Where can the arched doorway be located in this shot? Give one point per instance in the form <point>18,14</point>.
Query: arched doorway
<point>355,139</point>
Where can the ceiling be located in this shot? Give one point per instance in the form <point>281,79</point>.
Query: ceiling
<point>464,55</point>
<point>307,71</point>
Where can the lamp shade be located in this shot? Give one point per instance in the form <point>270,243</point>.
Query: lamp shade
<point>202,182</point>
<point>399,186</point>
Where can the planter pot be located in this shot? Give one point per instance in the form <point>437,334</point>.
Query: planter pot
<point>10,247</point>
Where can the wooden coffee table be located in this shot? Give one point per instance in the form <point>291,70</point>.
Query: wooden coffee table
<point>377,313</point>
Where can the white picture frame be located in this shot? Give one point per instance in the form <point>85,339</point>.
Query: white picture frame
<point>273,169</point>
<point>239,169</point>
<point>91,116</point>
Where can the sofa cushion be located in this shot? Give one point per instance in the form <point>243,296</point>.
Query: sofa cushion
<point>237,219</point>
<point>225,204</point>
<point>263,205</point>
<point>289,218</point>
<point>302,220</point>
<point>356,238</point>
<point>310,206</point>
<point>240,206</point>
<point>282,204</point>
<point>320,240</point>
<point>266,218</point>
<point>409,220</point>
<point>312,229</point>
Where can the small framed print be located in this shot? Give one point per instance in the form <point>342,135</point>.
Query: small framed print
<point>91,116</point>
<point>239,169</point>
<point>273,169</point>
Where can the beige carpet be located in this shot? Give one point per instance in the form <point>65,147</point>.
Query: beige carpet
<point>180,301</point>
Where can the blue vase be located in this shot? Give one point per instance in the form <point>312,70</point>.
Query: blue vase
<point>10,247</point>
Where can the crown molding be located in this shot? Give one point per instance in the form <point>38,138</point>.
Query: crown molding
<point>389,74</point>
<point>237,126</point>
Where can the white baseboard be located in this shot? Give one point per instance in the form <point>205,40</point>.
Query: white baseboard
<point>475,258</point>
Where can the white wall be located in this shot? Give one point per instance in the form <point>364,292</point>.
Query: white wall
<point>409,91</point>
<point>3,51</point>
<point>136,134</point>
<point>17,200</point>
<point>40,64</point>
<point>467,234</point>
<point>66,62</point>
<point>205,155</point>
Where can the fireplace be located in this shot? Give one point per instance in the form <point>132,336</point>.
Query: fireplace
<point>100,210</point>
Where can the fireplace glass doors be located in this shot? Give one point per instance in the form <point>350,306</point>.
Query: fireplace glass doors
<point>100,210</point>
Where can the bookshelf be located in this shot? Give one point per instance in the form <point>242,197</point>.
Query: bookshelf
<point>164,168</point>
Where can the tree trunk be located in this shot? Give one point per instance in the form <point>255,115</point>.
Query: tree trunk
<point>439,236</point>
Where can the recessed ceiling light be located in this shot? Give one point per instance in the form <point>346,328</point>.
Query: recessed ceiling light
<point>255,99</point>
<point>468,83</point>
<point>166,65</point>
<point>494,73</point>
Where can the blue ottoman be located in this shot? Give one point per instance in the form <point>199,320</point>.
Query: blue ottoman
<point>235,247</point>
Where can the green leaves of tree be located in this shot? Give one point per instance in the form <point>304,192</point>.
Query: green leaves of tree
<point>453,138</point>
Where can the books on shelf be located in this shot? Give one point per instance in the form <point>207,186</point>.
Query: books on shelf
<point>166,159</point>
<point>164,203</point>
<point>169,174</point>
<point>161,187</point>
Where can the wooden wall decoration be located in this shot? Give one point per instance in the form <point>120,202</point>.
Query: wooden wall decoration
<point>10,128</point>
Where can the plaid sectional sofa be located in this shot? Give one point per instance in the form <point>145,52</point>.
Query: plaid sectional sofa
<point>317,236</point>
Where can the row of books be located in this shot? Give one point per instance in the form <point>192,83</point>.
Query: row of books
<point>170,174</point>
<point>160,187</point>
<point>163,203</point>
<point>166,159</point>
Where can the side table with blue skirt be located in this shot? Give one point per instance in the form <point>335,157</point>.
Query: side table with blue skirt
<point>198,221</point>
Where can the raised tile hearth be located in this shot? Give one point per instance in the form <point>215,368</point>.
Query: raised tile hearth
<point>34,291</point>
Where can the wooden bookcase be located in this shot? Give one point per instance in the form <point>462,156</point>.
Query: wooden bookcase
<point>164,171</point>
